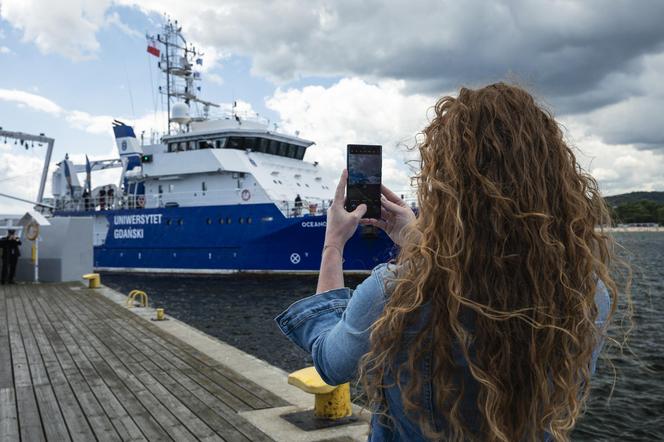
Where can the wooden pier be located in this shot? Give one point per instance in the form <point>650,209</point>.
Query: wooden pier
<point>75,365</point>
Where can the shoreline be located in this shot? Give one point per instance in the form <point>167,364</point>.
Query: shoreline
<point>633,229</point>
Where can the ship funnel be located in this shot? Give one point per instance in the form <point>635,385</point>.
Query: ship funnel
<point>180,113</point>
<point>125,139</point>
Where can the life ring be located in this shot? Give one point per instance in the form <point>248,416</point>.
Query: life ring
<point>140,201</point>
<point>32,231</point>
<point>246,195</point>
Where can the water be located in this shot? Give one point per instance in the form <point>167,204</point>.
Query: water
<point>239,309</point>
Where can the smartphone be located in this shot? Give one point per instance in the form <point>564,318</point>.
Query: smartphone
<point>364,163</point>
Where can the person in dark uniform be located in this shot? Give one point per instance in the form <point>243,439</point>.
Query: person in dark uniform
<point>298,205</point>
<point>10,253</point>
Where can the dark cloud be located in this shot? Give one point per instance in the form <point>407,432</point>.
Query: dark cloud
<point>579,55</point>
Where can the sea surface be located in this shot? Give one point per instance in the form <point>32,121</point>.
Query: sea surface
<point>627,399</point>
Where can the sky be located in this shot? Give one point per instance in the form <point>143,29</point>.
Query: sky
<point>338,72</point>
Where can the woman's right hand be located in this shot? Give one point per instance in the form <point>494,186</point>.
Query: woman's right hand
<point>395,215</point>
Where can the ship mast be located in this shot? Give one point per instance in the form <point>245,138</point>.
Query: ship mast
<point>177,61</point>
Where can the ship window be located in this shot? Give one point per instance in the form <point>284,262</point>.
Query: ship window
<point>229,220</point>
<point>274,147</point>
<point>182,146</point>
<point>264,142</point>
<point>250,143</point>
<point>180,221</point>
<point>249,220</point>
<point>191,145</point>
<point>205,144</point>
<point>203,186</point>
<point>160,189</point>
<point>171,187</point>
<point>300,152</point>
<point>292,150</point>
<point>222,220</point>
<point>240,220</point>
<point>274,181</point>
<point>266,219</point>
<point>220,143</point>
<point>209,220</point>
<point>298,184</point>
<point>169,221</point>
<point>234,143</point>
<point>306,185</point>
<point>283,149</point>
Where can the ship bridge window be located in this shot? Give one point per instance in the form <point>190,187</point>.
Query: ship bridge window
<point>235,143</point>
<point>263,144</point>
<point>283,149</point>
<point>292,151</point>
<point>205,144</point>
<point>273,147</point>
<point>300,152</point>
<point>220,143</point>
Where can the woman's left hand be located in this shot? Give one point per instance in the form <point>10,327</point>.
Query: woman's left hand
<point>341,224</point>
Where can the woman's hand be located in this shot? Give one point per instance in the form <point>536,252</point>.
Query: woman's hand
<point>395,215</point>
<point>341,224</point>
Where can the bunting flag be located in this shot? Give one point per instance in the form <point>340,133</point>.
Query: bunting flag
<point>68,178</point>
<point>152,48</point>
<point>88,174</point>
<point>199,61</point>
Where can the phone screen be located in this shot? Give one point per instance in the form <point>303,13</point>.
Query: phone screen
<point>364,178</point>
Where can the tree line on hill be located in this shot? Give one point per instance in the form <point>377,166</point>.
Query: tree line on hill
<point>637,207</point>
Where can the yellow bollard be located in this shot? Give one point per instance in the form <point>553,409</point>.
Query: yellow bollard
<point>331,402</point>
<point>94,280</point>
<point>160,314</point>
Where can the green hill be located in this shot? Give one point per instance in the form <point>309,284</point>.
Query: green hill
<point>633,197</point>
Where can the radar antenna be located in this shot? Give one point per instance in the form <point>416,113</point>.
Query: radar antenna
<point>177,61</point>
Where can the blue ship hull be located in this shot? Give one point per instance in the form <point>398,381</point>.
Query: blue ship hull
<point>210,239</point>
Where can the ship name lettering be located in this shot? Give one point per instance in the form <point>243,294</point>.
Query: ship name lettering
<point>128,233</point>
<point>152,218</point>
<point>314,223</point>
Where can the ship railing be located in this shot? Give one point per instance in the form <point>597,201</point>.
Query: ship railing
<point>314,207</point>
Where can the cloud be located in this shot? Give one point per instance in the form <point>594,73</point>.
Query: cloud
<point>33,101</point>
<point>5,50</point>
<point>114,19</point>
<point>65,27</point>
<point>214,78</point>
<point>355,111</point>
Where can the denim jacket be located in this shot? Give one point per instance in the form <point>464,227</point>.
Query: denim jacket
<point>334,326</point>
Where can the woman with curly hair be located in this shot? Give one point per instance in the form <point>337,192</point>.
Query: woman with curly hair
<point>488,325</point>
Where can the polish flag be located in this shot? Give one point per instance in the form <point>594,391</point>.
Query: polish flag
<point>152,48</point>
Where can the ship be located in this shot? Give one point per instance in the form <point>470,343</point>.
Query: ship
<point>212,194</point>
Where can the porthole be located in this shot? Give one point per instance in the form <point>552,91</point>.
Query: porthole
<point>209,220</point>
<point>229,220</point>
<point>222,220</point>
<point>249,220</point>
<point>180,221</point>
<point>241,220</point>
<point>169,221</point>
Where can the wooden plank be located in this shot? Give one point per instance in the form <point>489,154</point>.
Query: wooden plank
<point>127,339</point>
<point>253,394</point>
<point>124,425</point>
<point>84,398</point>
<point>74,418</point>
<point>8,415</point>
<point>51,416</point>
<point>28,415</point>
<point>198,407</point>
<point>161,413</point>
